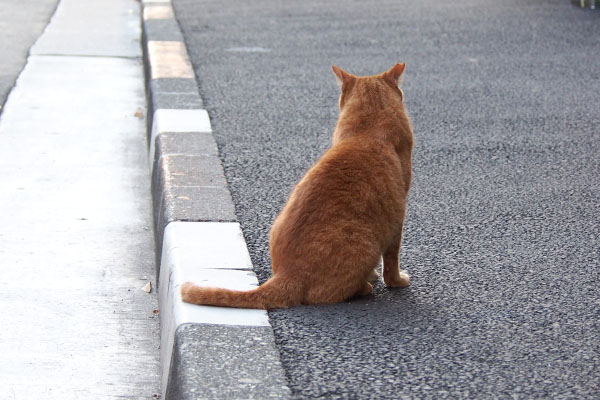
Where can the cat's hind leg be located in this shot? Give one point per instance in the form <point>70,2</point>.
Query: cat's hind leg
<point>392,275</point>
<point>373,275</point>
<point>365,289</point>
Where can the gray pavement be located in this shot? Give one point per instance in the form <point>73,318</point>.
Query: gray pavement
<point>76,244</point>
<point>502,227</point>
<point>22,22</point>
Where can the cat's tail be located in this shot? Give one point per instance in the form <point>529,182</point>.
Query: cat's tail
<point>277,292</point>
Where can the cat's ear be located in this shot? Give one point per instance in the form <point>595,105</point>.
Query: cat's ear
<point>341,75</point>
<point>395,73</point>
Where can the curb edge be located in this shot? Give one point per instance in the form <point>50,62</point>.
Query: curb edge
<point>211,352</point>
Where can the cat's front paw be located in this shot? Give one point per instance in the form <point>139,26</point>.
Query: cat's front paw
<point>401,280</point>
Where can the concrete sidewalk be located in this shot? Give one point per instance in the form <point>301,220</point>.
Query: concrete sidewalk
<point>76,246</point>
<point>76,234</point>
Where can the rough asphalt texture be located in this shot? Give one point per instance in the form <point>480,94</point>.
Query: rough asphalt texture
<point>502,231</point>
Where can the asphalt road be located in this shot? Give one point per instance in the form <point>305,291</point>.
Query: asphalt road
<point>502,232</point>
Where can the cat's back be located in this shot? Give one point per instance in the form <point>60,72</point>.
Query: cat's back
<point>354,163</point>
<point>357,182</point>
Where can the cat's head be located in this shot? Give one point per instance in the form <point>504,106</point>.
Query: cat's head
<point>377,89</point>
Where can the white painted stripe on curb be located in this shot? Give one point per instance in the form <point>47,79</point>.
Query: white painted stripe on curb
<point>177,121</point>
<point>209,254</point>
<point>208,245</point>
<point>158,11</point>
<point>169,59</point>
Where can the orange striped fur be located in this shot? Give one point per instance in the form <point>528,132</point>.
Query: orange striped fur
<point>345,213</point>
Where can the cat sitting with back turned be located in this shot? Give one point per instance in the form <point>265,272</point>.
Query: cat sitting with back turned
<point>345,213</point>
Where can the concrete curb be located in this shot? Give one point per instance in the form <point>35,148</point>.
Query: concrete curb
<point>206,352</point>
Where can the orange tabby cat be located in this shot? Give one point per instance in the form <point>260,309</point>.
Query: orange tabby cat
<point>345,213</point>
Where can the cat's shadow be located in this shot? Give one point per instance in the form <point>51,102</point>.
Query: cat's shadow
<point>384,306</point>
